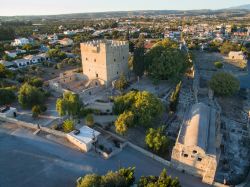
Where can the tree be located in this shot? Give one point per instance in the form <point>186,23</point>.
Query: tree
<point>57,54</point>
<point>129,174</point>
<point>35,81</point>
<point>70,105</point>
<point>138,60</point>
<point>174,98</point>
<point>165,61</point>
<point>162,181</point>
<point>36,111</point>
<point>7,96</point>
<point>113,179</point>
<point>229,46</point>
<point>68,126</point>
<point>121,83</point>
<point>4,72</point>
<point>91,180</point>
<point>27,47</point>
<point>145,107</point>
<point>28,96</point>
<point>156,140</point>
<point>124,121</point>
<point>224,84</point>
<point>89,120</point>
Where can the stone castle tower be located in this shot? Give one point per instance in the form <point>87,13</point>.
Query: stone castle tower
<point>105,60</point>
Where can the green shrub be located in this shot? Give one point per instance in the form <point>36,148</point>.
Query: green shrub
<point>224,84</point>
<point>218,65</point>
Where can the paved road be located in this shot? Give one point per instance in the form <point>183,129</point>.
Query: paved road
<point>30,160</point>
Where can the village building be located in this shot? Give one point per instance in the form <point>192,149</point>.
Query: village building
<point>66,42</point>
<point>68,32</point>
<point>236,55</point>
<point>84,138</point>
<point>7,64</point>
<point>14,53</point>
<point>197,148</point>
<point>105,60</point>
<point>20,42</point>
<point>7,111</point>
<point>53,38</point>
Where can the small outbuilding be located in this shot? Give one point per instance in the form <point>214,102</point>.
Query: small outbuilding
<point>83,138</point>
<point>7,111</point>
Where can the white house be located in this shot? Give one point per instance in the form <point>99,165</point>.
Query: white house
<point>68,32</point>
<point>53,38</point>
<point>33,59</point>
<point>66,42</point>
<point>20,42</point>
<point>7,111</point>
<point>21,62</point>
<point>14,53</point>
<point>7,64</point>
<point>83,138</point>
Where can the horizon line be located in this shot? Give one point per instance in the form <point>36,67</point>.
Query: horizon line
<point>113,11</point>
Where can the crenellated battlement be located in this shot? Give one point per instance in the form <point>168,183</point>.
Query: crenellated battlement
<point>107,43</point>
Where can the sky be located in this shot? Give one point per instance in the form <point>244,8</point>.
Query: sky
<point>48,7</point>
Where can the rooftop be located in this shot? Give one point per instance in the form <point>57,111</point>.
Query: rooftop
<point>198,128</point>
<point>86,135</point>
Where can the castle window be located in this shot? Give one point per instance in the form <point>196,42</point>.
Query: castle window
<point>86,59</point>
<point>117,72</point>
<point>94,60</point>
<point>185,155</point>
<point>114,59</point>
<point>96,75</point>
<point>194,151</point>
<point>199,159</point>
<point>123,57</point>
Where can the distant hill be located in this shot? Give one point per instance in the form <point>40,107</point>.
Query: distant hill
<point>238,10</point>
<point>242,7</point>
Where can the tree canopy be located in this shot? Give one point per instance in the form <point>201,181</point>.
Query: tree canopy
<point>121,83</point>
<point>159,181</point>
<point>124,177</point>
<point>70,105</point>
<point>165,61</point>
<point>139,57</point>
<point>224,84</point>
<point>136,108</point>
<point>229,46</point>
<point>89,120</point>
<point>68,126</point>
<point>4,72</point>
<point>29,95</point>
<point>7,96</point>
<point>156,140</point>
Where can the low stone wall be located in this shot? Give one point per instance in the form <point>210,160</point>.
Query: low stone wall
<point>33,126</point>
<point>54,132</point>
<point>18,122</point>
<point>149,154</point>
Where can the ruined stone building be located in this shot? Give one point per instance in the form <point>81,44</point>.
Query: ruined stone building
<point>105,60</point>
<point>197,148</point>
